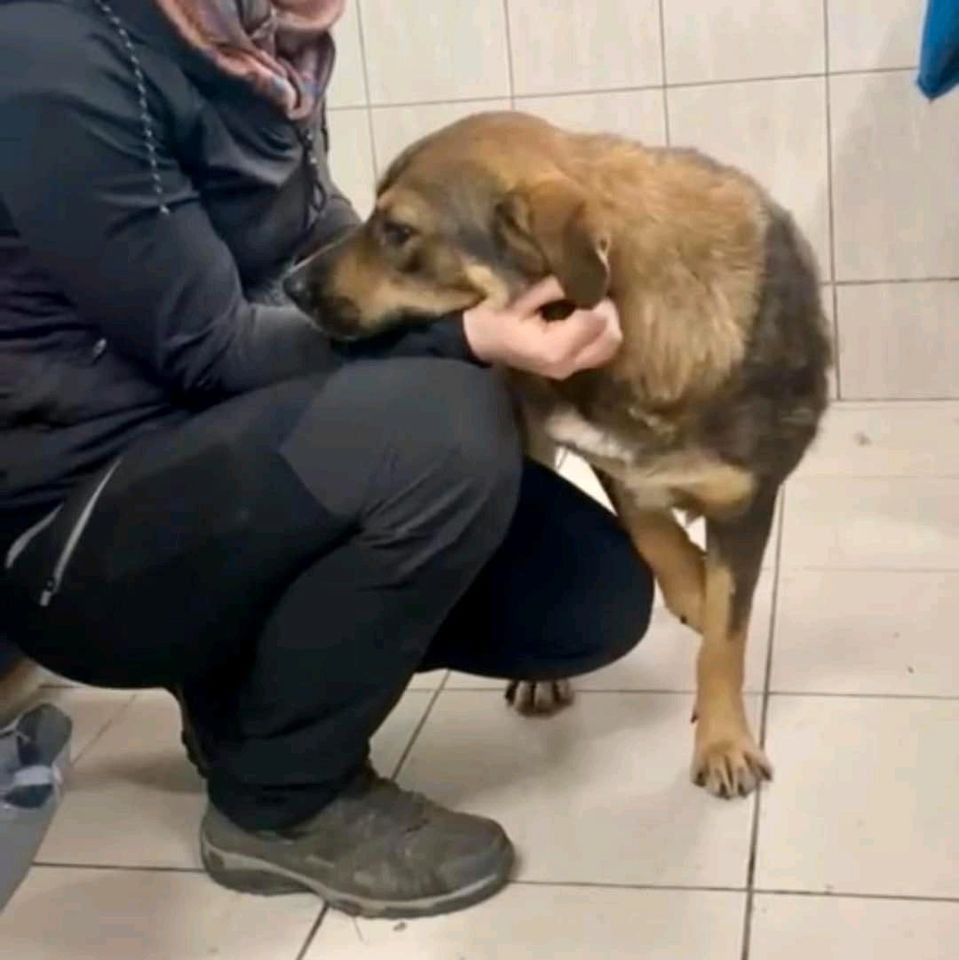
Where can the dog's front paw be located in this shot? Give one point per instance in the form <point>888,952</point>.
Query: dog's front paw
<point>729,764</point>
<point>539,698</point>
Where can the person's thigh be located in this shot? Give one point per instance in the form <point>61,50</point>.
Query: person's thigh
<point>565,594</point>
<point>201,528</point>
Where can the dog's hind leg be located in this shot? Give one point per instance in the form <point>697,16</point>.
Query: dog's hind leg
<point>727,760</point>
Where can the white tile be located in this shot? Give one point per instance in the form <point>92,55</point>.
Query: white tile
<point>92,711</point>
<point>560,46</point>
<point>774,130</point>
<point>64,914</point>
<point>435,51</point>
<point>899,340</point>
<point>797,928</point>
<point>864,799</point>
<point>598,794</point>
<point>556,922</point>
<point>397,127</point>
<point>709,40</point>
<point>351,157</point>
<point>347,85</point>
<point>636,114</point>
<point>871,523</point>
<point>894,161</point>
<point>666,658</point>
<point>867,632</point>
<point>866,34</point>
<point>899,439</point>
<point>133,799</point>
<point>396,733</point>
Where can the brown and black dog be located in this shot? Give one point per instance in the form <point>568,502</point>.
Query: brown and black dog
<point>714,396</point>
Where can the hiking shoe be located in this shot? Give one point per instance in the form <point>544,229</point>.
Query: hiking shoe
<point>374,851</point>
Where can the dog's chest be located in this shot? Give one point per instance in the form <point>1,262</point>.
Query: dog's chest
<point>658,475</point>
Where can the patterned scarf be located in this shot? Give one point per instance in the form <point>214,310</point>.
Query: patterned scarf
<point>282,48</point>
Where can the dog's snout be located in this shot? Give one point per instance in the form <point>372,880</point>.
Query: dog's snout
<point>296,285</point>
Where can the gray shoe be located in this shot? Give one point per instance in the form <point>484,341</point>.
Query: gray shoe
<point>374,851</point>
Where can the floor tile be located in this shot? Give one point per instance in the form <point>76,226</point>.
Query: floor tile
<point>864,799</point>
<point>895,439</point>
<point>871,523</point>
<point>635,114</point>
<point>561,46</point>
<point>737,39</point>
<point>566,923</point>
<point>866,34</point>
<point>774,130</point>
<point>351,157</point>
<point>438,51</point>
<point>134,800</point>
<point>347,85</point>
<point>894,161</point>
<point>797,928</point>
<point>394,736</point>
<point>899,340</point>
<point>598,794</point>
<point>92,711</point>
<point>867,632</point>
<point>666,658</point>
<point>397,127</point>
<point>145,915</point>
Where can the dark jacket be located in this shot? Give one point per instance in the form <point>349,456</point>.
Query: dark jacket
<point>148,206</point>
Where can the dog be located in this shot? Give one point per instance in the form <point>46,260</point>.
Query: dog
<point>710,403</point>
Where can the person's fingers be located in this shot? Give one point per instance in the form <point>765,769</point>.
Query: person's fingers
<point>538,296</point>
<point>563,340</point>
<point>583,351</point>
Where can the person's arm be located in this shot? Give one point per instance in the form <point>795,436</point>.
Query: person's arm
<point>163,289</point>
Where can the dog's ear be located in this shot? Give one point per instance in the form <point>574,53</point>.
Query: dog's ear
<point>556,218</point>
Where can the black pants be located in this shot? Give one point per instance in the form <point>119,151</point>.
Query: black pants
<point>292,557</point>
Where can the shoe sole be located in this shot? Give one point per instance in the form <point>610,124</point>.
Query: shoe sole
<point>248,874</point>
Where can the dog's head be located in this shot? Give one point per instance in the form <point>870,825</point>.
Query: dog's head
<point>476,211</point>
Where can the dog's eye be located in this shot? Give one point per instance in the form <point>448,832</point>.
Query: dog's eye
<point>396,234</point>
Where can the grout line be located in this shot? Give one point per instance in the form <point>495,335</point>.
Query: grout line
<point>366,88</point>
<point>898,281</point>
<point>597,885</point>
<point>419,727</point>
<point>663,692</point>
<point>843,895</point>
<point>116,868</point>
<point>763,726</point>
<point>665,76</point>
<point>802,694</point>
<point>311,936</point>
<point>831,200</point>
<point>592,91</point>
<point>509,56</point>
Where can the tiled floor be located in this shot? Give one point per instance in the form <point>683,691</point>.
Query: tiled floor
<point>852,852</point>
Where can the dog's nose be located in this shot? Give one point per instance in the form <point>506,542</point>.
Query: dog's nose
<point>296,286</point>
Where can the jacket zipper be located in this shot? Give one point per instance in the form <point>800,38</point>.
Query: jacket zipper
<point>52,586</point>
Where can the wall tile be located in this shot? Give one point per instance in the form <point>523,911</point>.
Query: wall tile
<point>347,86</point>
<point>737,39</point>
<point>429,50</point>
<point>566,45</point>
<point>351,157</point>
<point>637,114</point>
<point>899,340</point>
<point>895,162</point>
<point>865,34</point>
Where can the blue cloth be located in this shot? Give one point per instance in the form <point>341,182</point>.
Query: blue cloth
<point>939,60</point>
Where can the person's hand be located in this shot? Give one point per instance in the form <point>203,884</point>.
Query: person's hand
<point>517,336</point>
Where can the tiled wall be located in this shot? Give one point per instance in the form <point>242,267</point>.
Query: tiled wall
<point>817,99</point>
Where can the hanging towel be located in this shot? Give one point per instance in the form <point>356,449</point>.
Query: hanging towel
<point>939,59</point>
